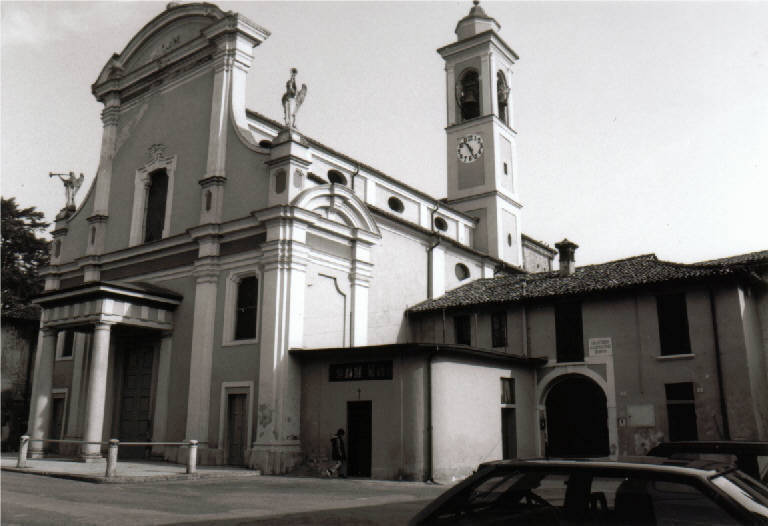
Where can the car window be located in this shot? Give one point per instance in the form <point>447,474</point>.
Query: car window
<point>528,497</point>
<point>678,503</point>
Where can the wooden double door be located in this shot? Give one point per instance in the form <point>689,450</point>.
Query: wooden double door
<point>136,396</point>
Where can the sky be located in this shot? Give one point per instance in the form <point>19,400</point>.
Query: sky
<point>642,126</point>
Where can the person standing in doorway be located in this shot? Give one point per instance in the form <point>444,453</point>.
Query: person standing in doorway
<point>338,455</point>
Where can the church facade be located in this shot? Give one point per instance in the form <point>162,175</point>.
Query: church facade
<point>230,280</point>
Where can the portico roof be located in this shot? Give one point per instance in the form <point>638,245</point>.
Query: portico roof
<point>137,304</point>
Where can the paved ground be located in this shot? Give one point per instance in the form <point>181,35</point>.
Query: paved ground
<point>33,500</point>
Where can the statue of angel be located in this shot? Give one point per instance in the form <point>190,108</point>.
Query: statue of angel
<point>71,185</point>
<point>292,99</point>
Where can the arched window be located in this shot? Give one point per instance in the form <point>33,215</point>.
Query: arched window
<point>468,95</point>
<point>502,93</point>
<point>247,305</point>
<point>156,196</point>
<point>336,177</point>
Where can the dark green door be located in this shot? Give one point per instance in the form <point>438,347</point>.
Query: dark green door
<point>359,431</point>
<point>135,399</point>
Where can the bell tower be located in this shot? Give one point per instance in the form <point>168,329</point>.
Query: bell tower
<point>482,167</point>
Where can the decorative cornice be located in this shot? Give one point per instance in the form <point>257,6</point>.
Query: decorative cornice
<point>212,180</point>
<point>97,218</point>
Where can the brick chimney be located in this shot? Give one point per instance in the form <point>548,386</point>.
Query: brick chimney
<point>567,251</point>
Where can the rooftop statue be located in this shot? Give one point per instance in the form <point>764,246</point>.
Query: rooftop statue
<point>292,100</point>
<point>71,185</point>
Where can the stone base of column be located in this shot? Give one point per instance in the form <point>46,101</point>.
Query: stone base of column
<point>275,458</point>
<point>91,457</point>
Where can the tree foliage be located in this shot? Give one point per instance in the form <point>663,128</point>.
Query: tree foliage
<point>23,255</point>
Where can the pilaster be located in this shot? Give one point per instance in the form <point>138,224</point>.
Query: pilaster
<point>160,417</point>
<point>40,402</point>
<point>277,448</point>
<point>110,118</point>
<point>288,162</point>
<point>201,355</point>
<point>360,280</point>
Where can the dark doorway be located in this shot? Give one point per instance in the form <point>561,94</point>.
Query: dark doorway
<point>236,429</point>
<point>136,397</point>
<point>359,431</point>
<point>57,423</point>
<point>577,419</point>
<point>508,432</point>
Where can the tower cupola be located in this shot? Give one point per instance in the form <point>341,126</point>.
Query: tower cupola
<point>475,22</point>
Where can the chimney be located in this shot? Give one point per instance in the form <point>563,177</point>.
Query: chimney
<point>567,251</point>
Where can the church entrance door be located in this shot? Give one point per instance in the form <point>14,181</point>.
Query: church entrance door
<point>577,419</point>
<point>136,398</point>
<point>359,429</point>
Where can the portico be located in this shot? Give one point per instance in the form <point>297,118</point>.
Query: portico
<point>96,309</point>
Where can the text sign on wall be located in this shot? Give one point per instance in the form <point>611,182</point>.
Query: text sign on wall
<point>350,372</point>
<point>600,346</point>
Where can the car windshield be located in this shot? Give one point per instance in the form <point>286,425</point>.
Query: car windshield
<point>746,490</point>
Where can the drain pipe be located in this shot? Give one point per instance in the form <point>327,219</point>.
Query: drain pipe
<point>719,367</point>
<point>357,171</point>
<point>430,256</point>
<point>428,450</point>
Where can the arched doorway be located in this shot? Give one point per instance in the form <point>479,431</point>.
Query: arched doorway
<point>577,419</point>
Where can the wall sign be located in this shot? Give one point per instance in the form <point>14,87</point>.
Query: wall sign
<point>352,372</point>
<point>600,346</point>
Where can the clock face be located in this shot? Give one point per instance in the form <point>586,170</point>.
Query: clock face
<point>470,148</point>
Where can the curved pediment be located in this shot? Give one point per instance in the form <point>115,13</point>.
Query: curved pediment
<point>337,203</point>
<point>174,27</point>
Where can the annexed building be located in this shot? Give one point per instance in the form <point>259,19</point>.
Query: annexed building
<point>637,350</point>
<point>218,249</point>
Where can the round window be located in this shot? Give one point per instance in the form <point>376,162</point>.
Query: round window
<point>440,224</point>
<point>396,204</point>
<point>462,272</point>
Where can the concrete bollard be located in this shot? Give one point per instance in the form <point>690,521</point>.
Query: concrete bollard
<point>192,458</point>
<point>112,458</point>
<point>23,446</point>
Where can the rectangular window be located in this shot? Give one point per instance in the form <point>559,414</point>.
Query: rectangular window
<point>681,411</point>
<point>499,329</point>
<point>69,344</point>
<point>673,324</point>
<point>463,327</point>
<point>507,390</point>
<point>568,332</point>
<point>156,197</point>
<point>247,303</point>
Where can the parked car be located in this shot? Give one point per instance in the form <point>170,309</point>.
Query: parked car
<point>630,491</point>
<point>749,457</point>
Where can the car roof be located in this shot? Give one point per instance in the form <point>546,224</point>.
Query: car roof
<point>733,447</point>
<point>701,468</point>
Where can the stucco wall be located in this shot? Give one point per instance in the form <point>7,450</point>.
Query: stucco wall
<point>178,119</point>
<point>466,415</point>
<point>397,413</point>
<point>247,185</point>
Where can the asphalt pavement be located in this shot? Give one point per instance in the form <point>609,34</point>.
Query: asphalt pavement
<point>29,499</point>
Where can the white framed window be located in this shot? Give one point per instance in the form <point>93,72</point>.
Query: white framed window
<point>65,344</point>
<point>242,307</point>
<point>153,197</point>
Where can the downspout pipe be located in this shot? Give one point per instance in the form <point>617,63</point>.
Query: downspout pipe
<point>428,435</point>
<point>430,256</point>
<point>356,172</point>
<point>719,367</point>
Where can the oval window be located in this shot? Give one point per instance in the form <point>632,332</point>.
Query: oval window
<point>440,224</point>
<point>396,204</point>
<point>265,143</point>
<point>509,239</point>
<point>462,272</point>
<point>336,177</point>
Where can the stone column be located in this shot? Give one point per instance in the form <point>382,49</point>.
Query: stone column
<point>277,448</point>
<point>97,392</point>
<point>40,403</point>
<point>161,398</point>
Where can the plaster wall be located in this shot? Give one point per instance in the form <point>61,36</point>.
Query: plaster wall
<point>179,119</point>
<point>397,413</point>
<point>246,188</point>
<point>466,415</point>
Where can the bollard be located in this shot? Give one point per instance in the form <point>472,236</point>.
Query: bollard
<point>23,446</point>
<point>192,458</point>
<point>112,458</point>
